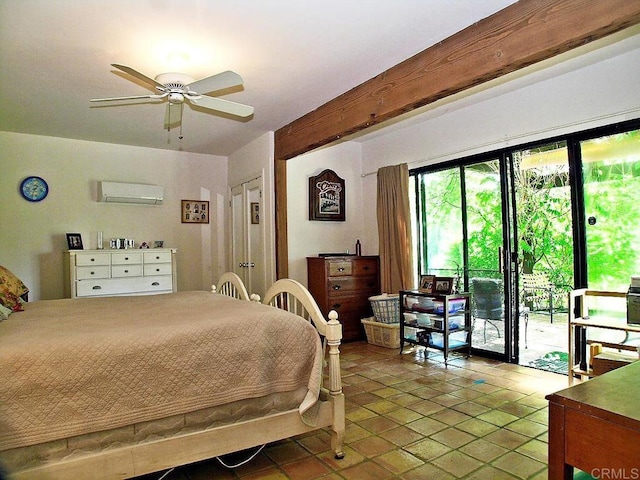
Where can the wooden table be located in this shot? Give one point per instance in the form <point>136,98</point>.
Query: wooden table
<point>595,426</point>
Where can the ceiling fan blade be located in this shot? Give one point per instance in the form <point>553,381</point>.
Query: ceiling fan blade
<point>222,80</point>
<point>225,106</point>
<point>138,75</point>
<point>173,115</point>
<point>134,97</point>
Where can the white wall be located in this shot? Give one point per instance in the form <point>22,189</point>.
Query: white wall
<point>33,234</point>
<point>309,238</point>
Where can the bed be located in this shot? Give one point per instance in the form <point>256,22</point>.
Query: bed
<point>206,375</point>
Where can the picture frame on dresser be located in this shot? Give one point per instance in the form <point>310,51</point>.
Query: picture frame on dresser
<point>74,241</point>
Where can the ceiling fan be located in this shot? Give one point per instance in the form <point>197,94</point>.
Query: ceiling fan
<point>177,88</point>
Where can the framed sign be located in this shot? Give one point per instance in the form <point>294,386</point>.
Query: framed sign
<point>326,197</point>
<point>195,211</point>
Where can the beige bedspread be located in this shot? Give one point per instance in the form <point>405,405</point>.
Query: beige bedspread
<point>74,366</point>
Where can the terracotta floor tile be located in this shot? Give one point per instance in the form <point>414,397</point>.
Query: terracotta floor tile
<point>372,446</point>
<point>527,427</point>
<point>366,471</point>
<point>457,463</point>
<point>518,465</point>
<point>305,469</point>
<point>402,436</point>
<point>498,417</point>
<point>398,461</point>
<point>507,438</point>
<point>477,427</point>
<point>427,472</point>
<point>427,449</point>
<point>378,424</point>
<point>403,415</point>
<point>483,450</point>
<point>535,449</point>
<point>452,437</point>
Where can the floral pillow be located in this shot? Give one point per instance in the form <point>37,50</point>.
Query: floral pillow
<point>11,288</point>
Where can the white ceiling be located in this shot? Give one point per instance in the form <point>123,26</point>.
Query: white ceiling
<point>294,56</point>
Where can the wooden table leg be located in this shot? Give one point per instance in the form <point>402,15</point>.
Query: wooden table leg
<point>558,469</point>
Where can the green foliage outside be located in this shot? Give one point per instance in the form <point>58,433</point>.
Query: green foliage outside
<point>544,224</point>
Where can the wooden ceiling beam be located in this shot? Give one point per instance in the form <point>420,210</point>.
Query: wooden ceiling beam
<point>520,35</point>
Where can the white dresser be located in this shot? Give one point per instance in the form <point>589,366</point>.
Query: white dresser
<point>100,273</point>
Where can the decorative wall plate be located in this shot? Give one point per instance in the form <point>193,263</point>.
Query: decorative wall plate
<point>34,189</point>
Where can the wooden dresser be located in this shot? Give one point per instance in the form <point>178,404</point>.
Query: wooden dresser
<point>101,273</point>
<point>344,284</point>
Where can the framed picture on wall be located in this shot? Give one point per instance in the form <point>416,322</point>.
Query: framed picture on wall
<point>255,213</point>
<point>326,197</point>
<point>74,241</point>
<point>195,211</point>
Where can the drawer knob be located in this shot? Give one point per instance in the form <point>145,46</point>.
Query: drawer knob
<point>341,269</point>
<point>93,259</point>
<point>126,258</point>
<point>96,287</point>
<point>155,284</point>
<point>365,267</point>
<point>336,287</point>
<point>157,269</point>
<point>337,305</point>
<point>157,258</point>
<point>126,271</point>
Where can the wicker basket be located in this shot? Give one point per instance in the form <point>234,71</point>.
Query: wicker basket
<point>386,308</point>
<point>382,334</point>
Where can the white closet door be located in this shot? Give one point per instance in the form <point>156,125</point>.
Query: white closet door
<point>248,227</point>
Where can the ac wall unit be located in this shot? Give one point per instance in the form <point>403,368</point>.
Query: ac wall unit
<point>114,192</point>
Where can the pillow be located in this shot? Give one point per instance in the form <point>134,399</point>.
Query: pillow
<point>4,312</point>
<point>11,288</point>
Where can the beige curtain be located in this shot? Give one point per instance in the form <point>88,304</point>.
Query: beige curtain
<point>394,228</point>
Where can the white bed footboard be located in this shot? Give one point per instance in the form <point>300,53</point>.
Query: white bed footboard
<point>231,285</point>
<point>290,295</point>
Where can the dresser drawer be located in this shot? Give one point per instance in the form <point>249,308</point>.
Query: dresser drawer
<point>157,269</point>
<point>365,266</point>
<point>126,258</point>
<point>93,271</point>
<point>124,286</point>
<point>363,285</point>
<point>84,259</point>
<point>157,257</point>
<point>119,271</point>
<point>339,267</point>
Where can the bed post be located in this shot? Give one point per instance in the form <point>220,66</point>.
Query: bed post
<point>334,335</point>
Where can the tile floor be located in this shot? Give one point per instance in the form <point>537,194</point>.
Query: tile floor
<point>410,417</point>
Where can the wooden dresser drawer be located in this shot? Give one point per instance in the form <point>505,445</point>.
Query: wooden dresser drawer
<point>157,269</point>
<point>157,257</point>
<point>337,285</point>
<point>93,271</point>
<point>119,271</point>
<point>84,259</point>
<point>339,268</point>
<point>126,258</point>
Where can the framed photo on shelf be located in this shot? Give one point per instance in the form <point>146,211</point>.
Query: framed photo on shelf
<point>443,285</point>
<point>426,283</point>
<point>195,211</point>
<point>74,241</point>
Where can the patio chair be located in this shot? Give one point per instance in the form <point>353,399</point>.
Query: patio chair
<point>538,292</point>
<point>486,302</point>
